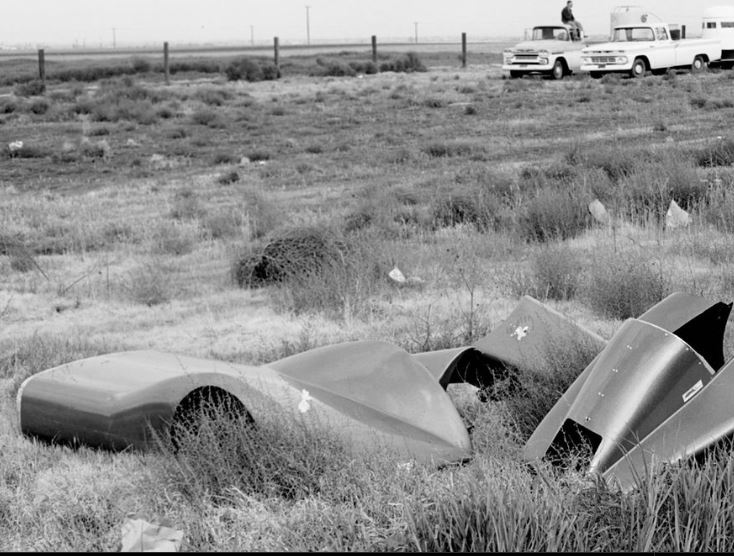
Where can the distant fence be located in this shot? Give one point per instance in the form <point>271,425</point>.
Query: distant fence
<point>276,50</point>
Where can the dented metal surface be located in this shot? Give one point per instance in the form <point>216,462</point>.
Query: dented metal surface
<point>648,394</point>
<point>371,393</point>
<point>658,390</point>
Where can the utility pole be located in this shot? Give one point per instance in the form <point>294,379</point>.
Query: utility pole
<point>114,37</point>
<point>252,35</point>
<point>416,31</point>
<point>308,26</point>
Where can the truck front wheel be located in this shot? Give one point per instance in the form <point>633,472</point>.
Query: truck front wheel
<point>559,70</point>
<point>698,65</point>
<point>515,74</point>
<point>639,68</point>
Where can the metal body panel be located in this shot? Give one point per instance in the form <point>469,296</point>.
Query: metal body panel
<point>112,400</point>
<point>525,339</point>
<point>698,425</point>
<point>696,320</point>
<point>383,386</point>
<point>521,341</point>
<point>372,395</point>
<point>648,393</point>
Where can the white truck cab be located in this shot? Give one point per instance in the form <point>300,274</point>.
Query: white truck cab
<point>553,50</point>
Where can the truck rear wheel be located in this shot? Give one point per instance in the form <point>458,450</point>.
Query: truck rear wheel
<point>699,64</point>
<point>639,68</point>
<point>559,70</point>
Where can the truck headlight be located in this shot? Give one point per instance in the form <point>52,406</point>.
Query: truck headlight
<point>543,61</point>
<point>586,59</point>
<point>621,59</point>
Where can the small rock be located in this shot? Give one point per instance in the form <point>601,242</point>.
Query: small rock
<point>597,210</point>
<point>676,217</point>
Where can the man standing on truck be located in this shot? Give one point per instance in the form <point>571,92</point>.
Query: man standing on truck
<point>568,19</point>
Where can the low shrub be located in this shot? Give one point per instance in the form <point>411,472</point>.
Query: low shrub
<point>228,224</point>
<point>228,178</point>
<point>95,150</point>
<point>173,238</point>
<point>387,212</point>
<point>295,253</point>
<point>623,285</point>
<point>557,272</point>
<point>140,64</point>
<point>717,153</point>
<point>333,68</point>
<point>193,65</point>
<point>39,106</point>
<point>553,214</point>
<point>186,205</point>
<point>257,156</point>
<point>719,208</point>
<point>410,62</point>
<point>30,88</point>
<point>316,270</point>
<point>367,68</point>
<point>448,149</point>
<point>8,105</point>
<point>646,193</point>
<point>476,206</point>
<point>148,284</point>
<point>213,96</point>
<point>208,117</point>
<point>224,158</point>
<point>248,69</point>
<point>615,161</point>
<point>26,151</point>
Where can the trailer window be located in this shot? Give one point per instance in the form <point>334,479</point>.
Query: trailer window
<point>727,24</point>
<point>710,25</point>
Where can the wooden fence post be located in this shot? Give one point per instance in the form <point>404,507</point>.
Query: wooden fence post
<point>42,65</point>
<point>463,50</point>
<point>166,69</point>
<point>276,52</point>
<point>374,48</point>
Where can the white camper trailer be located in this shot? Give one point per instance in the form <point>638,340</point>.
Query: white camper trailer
<point>629,15</point>
<point>718,22</point>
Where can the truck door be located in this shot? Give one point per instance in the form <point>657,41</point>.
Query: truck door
<point>666,50</point>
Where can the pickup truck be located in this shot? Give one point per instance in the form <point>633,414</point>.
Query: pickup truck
<point>641,47</point>
<point>553,50</point>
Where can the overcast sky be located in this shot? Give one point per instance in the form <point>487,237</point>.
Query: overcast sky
<point>97,22</point>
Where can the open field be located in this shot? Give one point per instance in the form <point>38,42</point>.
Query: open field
<point>129,214</point>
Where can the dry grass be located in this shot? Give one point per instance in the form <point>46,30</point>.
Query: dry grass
<point>132,245</point>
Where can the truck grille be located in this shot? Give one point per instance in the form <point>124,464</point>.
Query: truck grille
<point>526,57</point>
<point>603,59</point>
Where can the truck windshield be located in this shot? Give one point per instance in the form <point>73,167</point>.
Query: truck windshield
<point>625,34</point>
<point>550,33</point>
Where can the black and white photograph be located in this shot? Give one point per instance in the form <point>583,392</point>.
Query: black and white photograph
<point>386,276</point>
